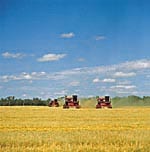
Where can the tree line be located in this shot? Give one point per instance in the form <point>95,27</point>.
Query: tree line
<point>12,101</point>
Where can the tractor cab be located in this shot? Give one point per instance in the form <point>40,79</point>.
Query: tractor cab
<point>53,103</point>
<point>103,102</point>
<point>71,102</point>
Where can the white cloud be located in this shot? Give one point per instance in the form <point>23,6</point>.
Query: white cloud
<point>38,74</point>
<point>109,80</point>
<point>122,74</point>
<point>96,80</point>
<point>82,78</point>
<point>4,78</point>
<point>27,76</point>
<point>12,55</point>
<point>51,57</point>
<point>100,37</point>
<point>108,69</point>
<point>24,95</point>
<point>85,72</point>
<point>123,87</point>
<point>67,35</point>
<point>135,65</point>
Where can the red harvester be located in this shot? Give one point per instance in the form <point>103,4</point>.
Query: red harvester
<point>103,102</point>
<point>71,101</point>
<point>53,103</point>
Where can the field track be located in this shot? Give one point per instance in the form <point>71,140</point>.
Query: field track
<point>44,129</point>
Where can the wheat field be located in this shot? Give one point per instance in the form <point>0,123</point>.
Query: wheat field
<point>44,129</point>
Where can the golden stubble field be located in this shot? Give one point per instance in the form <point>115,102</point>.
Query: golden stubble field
<point>44,129</point>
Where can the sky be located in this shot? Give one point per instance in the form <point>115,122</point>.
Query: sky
<point>52,48</point>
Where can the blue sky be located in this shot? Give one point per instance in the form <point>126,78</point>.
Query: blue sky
<point>50,48</point>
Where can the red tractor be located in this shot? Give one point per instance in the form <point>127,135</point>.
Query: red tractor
<point>71,102</point>
<point>103,102</point>
<point>53,103</point>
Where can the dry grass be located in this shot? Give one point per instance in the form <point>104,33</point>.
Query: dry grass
<point>44,129</point>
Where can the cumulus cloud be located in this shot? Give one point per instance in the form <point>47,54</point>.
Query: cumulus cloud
<point>123,74</point>
<point>96,80</point>
<point>51,57</point>
<point>13,55</point>
<point>109,80</point>
<point>67,35</point>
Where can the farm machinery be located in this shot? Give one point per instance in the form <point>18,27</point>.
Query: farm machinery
<point>53,103</point>
<point>71,102</point>
<point>103,102</point>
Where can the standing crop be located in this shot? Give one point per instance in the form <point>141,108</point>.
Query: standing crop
<point>41,129</point>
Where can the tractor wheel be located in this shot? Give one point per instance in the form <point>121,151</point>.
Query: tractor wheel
<point>77,107</point>
<point>65,107</point>
<point>98,107</point>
